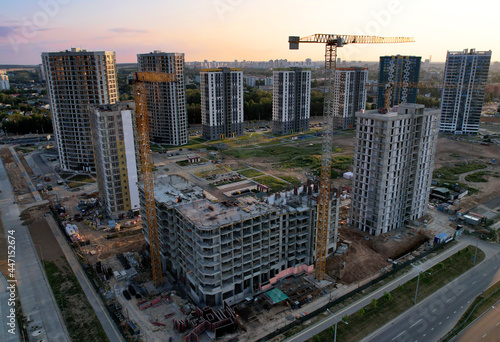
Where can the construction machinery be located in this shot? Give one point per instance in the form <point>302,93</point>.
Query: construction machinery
<point>331,111</point>
<point>142,118</point>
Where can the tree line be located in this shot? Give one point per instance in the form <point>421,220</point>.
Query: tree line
<point>21,124</point>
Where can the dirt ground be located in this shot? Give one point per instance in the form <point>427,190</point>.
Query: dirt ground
<point>366,258</point>
<point>23,195</point>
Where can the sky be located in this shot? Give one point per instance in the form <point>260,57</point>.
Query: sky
<point>258,30</point>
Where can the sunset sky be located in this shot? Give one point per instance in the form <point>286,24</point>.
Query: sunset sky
<point>226,30</point>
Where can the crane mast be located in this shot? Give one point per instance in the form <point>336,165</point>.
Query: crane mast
<point>330,112</point>
<point>142,118</point>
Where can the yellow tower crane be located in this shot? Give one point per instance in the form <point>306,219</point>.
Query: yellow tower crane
<point>332,42</point>
<point>142,118</point>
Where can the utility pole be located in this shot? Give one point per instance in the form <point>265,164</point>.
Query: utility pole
<point>475,254</point>
<point>336,321</point>
<point>416,290</point>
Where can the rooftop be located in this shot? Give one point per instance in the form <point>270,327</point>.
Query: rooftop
<point>206,212</point>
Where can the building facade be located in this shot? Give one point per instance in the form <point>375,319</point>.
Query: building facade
<point>227,251</point>
<point>350,83</point>
<point>465,76</point>
<point>4,81</point>
<point>399,71</point>
<point>393,165</point>
<point>221,103</point>
<point>113,133</point>
<point>77,79</point>
<point>291,100</point>
<point>166,101</point>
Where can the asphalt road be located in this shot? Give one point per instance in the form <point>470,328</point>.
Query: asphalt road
<point>329,321</point>
<point>33,289</point>
<point>486,328</point>
<point>434,317</point>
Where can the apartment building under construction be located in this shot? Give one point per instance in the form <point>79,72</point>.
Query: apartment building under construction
<point>76,80</point>
<point>227,249</point>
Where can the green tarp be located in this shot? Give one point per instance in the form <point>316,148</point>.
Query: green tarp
<point>276,295</point>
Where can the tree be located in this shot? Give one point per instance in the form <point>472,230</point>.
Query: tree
<point>361,312</point>
<point>317,99</point>
<point>388,296</point>
<point>374,303</point>
<point>345,318</point>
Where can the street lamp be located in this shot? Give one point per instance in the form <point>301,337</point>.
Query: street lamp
<point>475,253</point>
<point>418,280</point>
<point>336,321</point>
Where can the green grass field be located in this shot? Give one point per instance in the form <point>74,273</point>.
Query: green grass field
<point>477,177</point>
<point>250,173</point>
<point>449,173</point>
<point>73,304</point>
<point>272,183</point>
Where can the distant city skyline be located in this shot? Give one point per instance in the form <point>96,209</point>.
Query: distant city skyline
<point>225,30</point>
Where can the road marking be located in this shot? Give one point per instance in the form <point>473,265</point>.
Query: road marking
<point>432,329</point>
<point>434,310</point>
<point>468,302</point>
<point>484,335</point>
<point>399,335</point>
<point>461,291</point>
<point>484,275</point>
<point>439,323</point>
<point>448,300</point>
<point>424,335</point>
<point>497,324</point>
<point>473,283</point>
<point>462,307</point>
<point>415,323</point>
<point>454,312</point>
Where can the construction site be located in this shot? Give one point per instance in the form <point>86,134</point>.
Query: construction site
<point>232,241</point>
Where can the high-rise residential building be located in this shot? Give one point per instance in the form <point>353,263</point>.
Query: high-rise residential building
<point>291,100</point>
<point>77,79</point>
<point>465,77</point>
<point>393,164</point>
<point>166,101</point>
<point>350,83</point>
<point>227,250</point>
<point>113,135</point>
<point>4,81</point>
<point>221,103</point>
<point>400,71</point>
